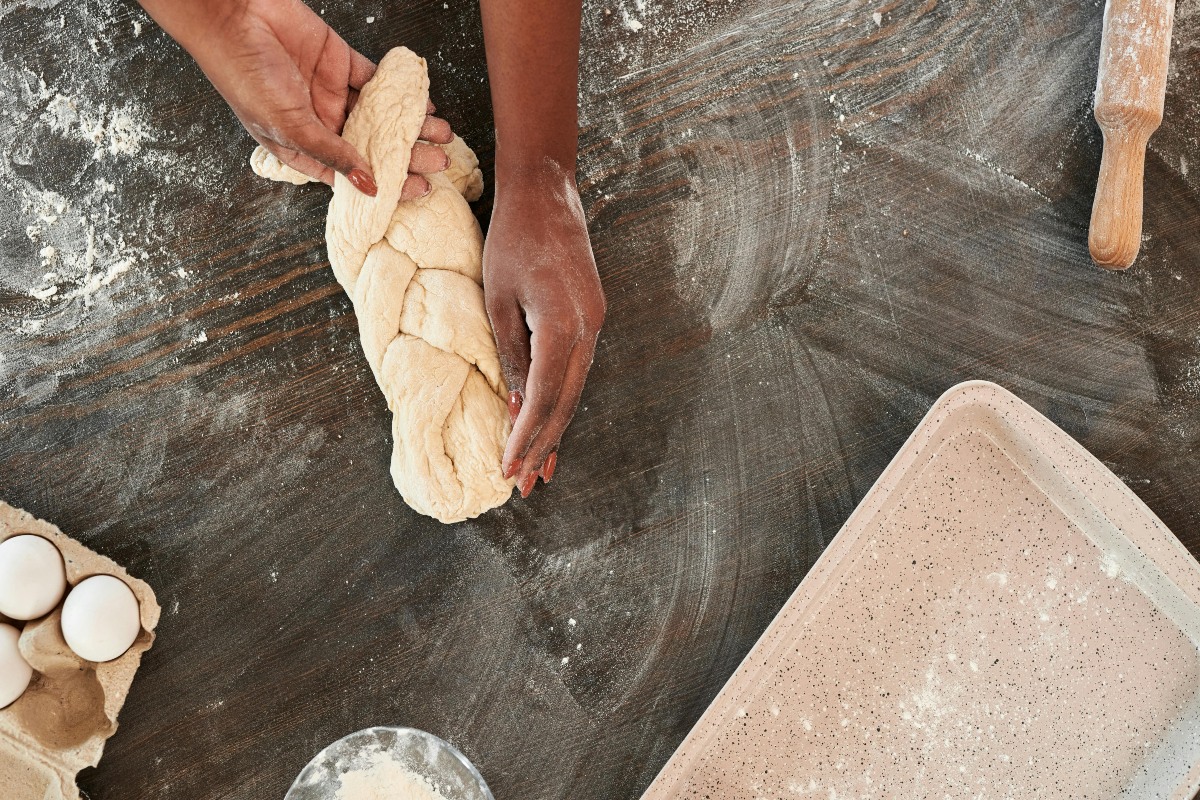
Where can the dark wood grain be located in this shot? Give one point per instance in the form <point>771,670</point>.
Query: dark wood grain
<point>808,225</point>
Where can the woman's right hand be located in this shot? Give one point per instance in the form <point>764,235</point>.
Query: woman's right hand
<point>291,80</point>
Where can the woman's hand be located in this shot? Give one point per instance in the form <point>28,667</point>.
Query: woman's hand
<point>539,275</point>
<point>546,306</point>
<point>291,80</point>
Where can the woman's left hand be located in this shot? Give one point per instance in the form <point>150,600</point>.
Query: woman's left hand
<point>546,306</point>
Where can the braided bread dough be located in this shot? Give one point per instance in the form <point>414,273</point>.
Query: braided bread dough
<point>415,271</point>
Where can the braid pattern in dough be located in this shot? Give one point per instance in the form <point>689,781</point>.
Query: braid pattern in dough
<point>414,271</point>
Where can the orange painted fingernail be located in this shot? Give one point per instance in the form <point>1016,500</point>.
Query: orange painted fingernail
<point>548,467</point>
<point>363,182</point>
<point>527,486</point>
<point>514,407</point>
<point>513,468</point>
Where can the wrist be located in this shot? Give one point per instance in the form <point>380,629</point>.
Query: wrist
<point>517,173</point>
<point>192,22</point>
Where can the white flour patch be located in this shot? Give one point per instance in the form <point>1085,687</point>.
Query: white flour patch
<point>79,245</point>
<point>12,5</point>
<point>113,132</point>
<point>82,174</point>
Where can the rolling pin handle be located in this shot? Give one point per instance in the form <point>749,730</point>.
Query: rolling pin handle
<point>1115,235</point>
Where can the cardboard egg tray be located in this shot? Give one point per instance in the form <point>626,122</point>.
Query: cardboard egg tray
<point>59,725</point>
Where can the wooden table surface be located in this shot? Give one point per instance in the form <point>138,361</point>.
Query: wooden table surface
<point>809,220</point>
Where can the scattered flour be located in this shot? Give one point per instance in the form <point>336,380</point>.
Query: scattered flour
<point>382,778</point>
<point>1008,176</point>
<point>76,261</point>
<point>928,704</point>
<point>685,21</point>
<point>113,131</point>
<point>88,218</point>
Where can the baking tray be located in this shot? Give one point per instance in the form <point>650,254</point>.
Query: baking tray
<point>1000,617</point>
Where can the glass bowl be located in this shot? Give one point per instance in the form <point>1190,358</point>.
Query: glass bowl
<point>432,758</point>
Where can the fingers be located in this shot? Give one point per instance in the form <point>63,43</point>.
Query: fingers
<point>550,352</point>
<point>361,69</point>
<point>428,159</point>
<point>437,130</point>
<point>321,144</point>
<point>331,111</point>
<point>512,345</point>
<point>414,186</point>
<point>434,129</point>
<point>298,161</point>
<point>541,457</point>
<point>317,151</point>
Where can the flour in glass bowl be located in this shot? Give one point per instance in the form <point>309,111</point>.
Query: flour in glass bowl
<point>382,778</point>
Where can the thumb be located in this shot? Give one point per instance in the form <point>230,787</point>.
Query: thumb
<point>321,144</point>
<point>512,345</point>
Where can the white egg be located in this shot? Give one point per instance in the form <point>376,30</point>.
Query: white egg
<point>15,673</point>
<point>100,618</point>
<point>32,577</point>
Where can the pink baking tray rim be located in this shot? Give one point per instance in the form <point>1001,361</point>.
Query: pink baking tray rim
<point>1079,473</point>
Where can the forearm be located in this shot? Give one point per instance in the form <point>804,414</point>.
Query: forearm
<point>533,65</point>
<point>187,21</point>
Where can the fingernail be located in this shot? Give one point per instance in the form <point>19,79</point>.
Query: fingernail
<point>445,160</point>
<point>548,467</point>
<point>527,486</point>
<point>513,468</point>
<point>363,182</point>
<point>514,407</point>
<point>428,189</point>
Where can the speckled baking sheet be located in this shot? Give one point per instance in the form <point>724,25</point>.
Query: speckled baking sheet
<point>1000,618</point>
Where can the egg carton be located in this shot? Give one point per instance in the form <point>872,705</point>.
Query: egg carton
<point>61,722</point>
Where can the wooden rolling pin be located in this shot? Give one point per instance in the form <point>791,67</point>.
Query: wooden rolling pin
<point>1131,87</point>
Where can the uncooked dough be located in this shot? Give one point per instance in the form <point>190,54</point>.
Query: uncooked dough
<point>415,273</point>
